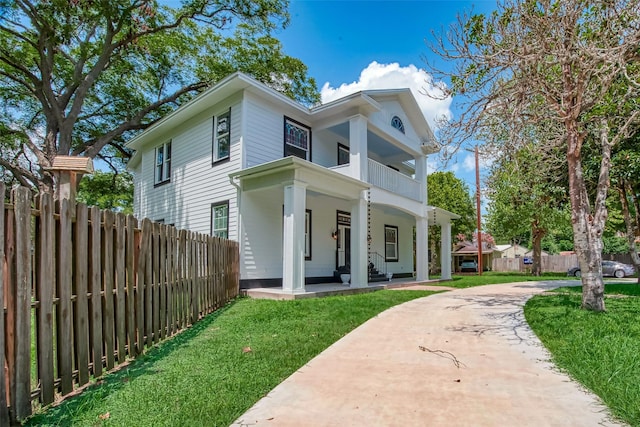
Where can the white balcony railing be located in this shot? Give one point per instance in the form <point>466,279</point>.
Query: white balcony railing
<point>388,179</point>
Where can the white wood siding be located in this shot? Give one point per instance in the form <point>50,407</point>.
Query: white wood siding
<point>325,147</point>
<point>261,257</point>
<point>195,184</point>
<point>390,109</point>
<point>405,224</point>
<point>264,130</point>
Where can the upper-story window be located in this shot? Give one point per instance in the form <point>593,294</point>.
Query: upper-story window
<point>343,154</point>
<point>163,163</point>
<point>297,139</point>
<point>396,122</point>
<point>221,136</point>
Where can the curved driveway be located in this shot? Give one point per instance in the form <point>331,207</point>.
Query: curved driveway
<point>460,358</point>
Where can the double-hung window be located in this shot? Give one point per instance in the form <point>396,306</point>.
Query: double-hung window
<point>221,136</point>
<point>220,219</point>
<point>343,154</point>
<point>163,163</point>
<point>390,243</point>
<point>297,139</point>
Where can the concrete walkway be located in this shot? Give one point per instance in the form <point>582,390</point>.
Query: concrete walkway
<point>460,358</point>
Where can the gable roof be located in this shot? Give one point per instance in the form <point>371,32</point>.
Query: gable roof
<point>364,101</point>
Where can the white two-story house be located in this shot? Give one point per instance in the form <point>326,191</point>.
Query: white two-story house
<point>307,192</point>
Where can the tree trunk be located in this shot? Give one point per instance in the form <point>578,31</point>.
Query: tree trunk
<point>537,235</point>
<point>587,236</point>
<point>630,227</point>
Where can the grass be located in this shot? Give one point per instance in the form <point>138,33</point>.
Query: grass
<point>600,350</point>
<point>213,372</point>
<point>492,278</point>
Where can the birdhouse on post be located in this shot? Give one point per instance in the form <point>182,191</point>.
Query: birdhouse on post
<point>68,171</point>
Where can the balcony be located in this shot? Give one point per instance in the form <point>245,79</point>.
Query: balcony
<point>388,179</point>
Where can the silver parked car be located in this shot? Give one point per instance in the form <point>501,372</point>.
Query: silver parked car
<point>609,268</point>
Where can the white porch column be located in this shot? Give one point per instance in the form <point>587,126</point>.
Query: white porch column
<point>445,251</point>
<point>359,255</point>
<point>358,147</point>
<point>421,176</point>
<point>422,247</point>
<point>295,195</point>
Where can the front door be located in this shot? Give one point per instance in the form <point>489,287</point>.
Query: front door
<point>343,253</point>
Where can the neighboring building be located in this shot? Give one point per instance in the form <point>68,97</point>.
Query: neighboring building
<point>468,251</point>
<point>510,251</point>
<point>303,190</point>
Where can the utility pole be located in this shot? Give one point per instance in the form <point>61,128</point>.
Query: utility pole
<point>478,214</point>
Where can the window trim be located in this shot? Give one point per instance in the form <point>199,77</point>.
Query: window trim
<point>344,148</point>
<point>166,160</point>
<point>387,258</point>
<point>213,207</point>
<point>284,138</point>
<point>307,232</point>
<point>215,136</point>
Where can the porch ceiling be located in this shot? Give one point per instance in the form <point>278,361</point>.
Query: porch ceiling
<point>376,144</point>
<point>440,216</point>
<point>282,171</point>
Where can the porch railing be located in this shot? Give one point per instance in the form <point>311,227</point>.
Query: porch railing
<point>378,262</point>
<point>388,179</point>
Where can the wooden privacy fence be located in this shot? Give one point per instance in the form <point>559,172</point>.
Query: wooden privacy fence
<point>550,264</point>
<point>84,289</point>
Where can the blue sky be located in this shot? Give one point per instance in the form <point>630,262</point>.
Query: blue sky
<point>351,45</point>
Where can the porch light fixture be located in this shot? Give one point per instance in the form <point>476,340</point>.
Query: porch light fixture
<point>334,234</point>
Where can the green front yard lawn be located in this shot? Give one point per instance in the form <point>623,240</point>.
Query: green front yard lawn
<point>600,350</point>
<point>212,373</point>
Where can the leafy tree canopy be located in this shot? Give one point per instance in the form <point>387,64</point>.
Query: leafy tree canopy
<point>450,193</point>
<point>78,77</point>
<point>107,190</point>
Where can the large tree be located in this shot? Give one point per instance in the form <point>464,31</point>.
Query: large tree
<point>526,199</point>
<point>450,193</point>
<point>559,62</point>
<point>78,77</point>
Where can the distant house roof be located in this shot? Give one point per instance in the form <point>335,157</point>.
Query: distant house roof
<point>502,248</point>
<point>471,249</point>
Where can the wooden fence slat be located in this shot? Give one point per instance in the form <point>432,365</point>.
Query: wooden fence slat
<point>22,211</point>
<point>121,309</point>
<point>162,282</point>
<point>95,324</point>
<point>130,301</point>
<point>194,278</point>
<point>64,344</point>
<point>148,288</point>
<point>140,282</point>
<point>155,327</point>
<point>10,297</point>
<point>170,278</point>
<point>45,235</point>
<point>4,403</point>
<point>81,289</point>
<point>108,317</point>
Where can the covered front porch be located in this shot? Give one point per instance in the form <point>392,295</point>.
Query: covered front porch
<point>290,237</point>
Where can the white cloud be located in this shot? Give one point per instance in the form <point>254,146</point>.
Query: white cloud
<point>393,76</point>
